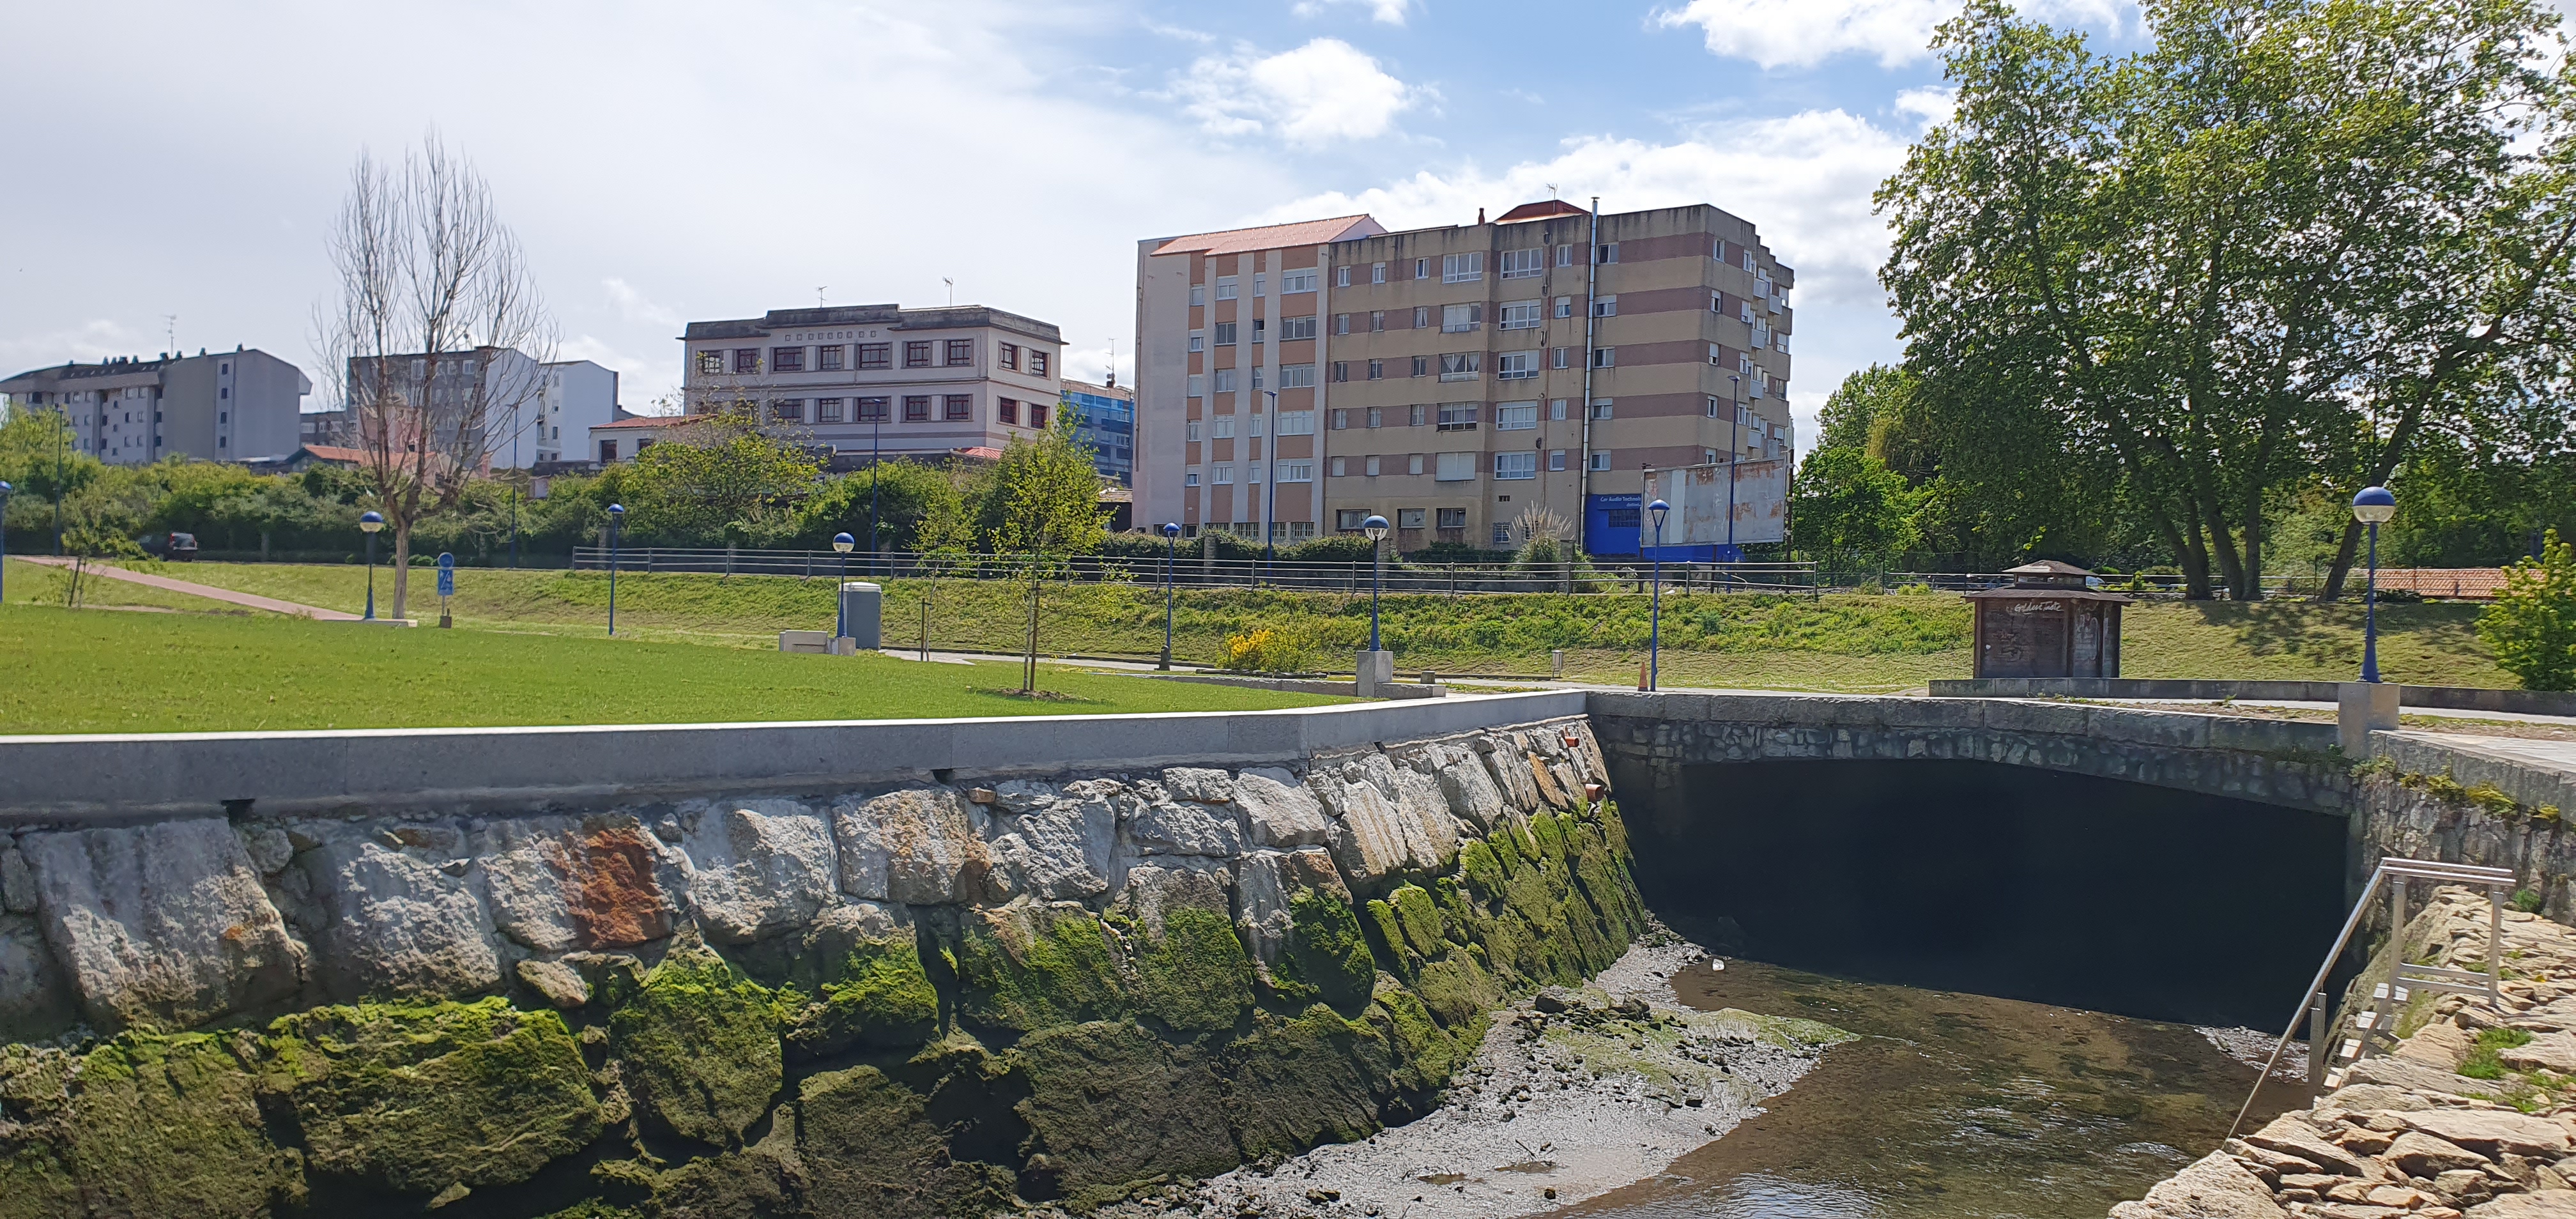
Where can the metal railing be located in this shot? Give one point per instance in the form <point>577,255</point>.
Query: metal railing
<point>1195,570</point>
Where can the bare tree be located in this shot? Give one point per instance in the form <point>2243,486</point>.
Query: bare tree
<point>438,342</point>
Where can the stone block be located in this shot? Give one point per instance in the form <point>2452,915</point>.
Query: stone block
<point>922,846</point>
<point>36,1000</point>
<point>400,922</point>
<point>557,884</point>
<point>1178,828</point>
<point>2215,1187</point>
<point>163,924</point>
<point>756,868</point>
<point>17,883</point>
<point>1063,849</point>
<point>1281,812</point>
<point>1199,784</point>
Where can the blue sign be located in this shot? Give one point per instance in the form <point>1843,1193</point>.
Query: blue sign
<point>447,575</point>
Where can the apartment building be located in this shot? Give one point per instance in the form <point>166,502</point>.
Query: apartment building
<point>533,412</point>
<point>239,405</point>
<point>910,383</point>
<point>1452,379</point>
<point>1104,417</point>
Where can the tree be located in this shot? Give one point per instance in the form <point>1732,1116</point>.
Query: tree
<point>903,495</point>
<point>2531,628</point>
<point>2283,240</point>
<point>1845,503</point>
<point>1047,508</point>
<point>436,340</point>
<point>719,476</point>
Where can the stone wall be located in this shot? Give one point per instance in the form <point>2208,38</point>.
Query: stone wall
<point>912,998</point>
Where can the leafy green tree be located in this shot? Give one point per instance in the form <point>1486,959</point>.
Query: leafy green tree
<point>905,495</point>
<point>2531,627</point>
<point>722,477</point>
<point>1846,503</point>
<point>1046,501</point>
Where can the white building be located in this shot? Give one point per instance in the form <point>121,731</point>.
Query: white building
<point>238,405</point>
<point>575,396</point>
<point>532,412</point>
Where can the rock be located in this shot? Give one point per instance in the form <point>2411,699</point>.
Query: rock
<point>1157,887</point>
<point>1184,829</point>
<point>1060,849</point>
<point>559,983</point>
<point>2377,1097</point>
<point>2216,1187</point>
<point>1553,1000</point>
<point>35,999</point>
<point>163,924</point>
<point>870,1147</point>
<point>562,886</point>
<point>1470,790</point>
<point>1280,808</point>
<point>922,846</point>
<point>2551,1204</point>
<point>1420,797</point>
<point>699,1047</point>
<point>2493,1132</point>
<point>1372,836</point>
<point>757,868</point>
<point>2462,1184</point>
<point>1263,902</point>
<point>267,845</point>
<point>1019,795</point>
<point>1198,785</point>
<point>2546,1052</point>
<point>2441,1045</point>
<point>399,925</point>
<point>2290,1134</point>
<point>2423,1155</point>
<point>17,883</point>
<point>171,1125</point>
<point>2407,1073</point>
<point>2263,1158</point>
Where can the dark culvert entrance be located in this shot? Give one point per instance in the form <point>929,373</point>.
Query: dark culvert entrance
<point>2001,880</point>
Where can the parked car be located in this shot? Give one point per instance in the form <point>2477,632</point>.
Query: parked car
<point>176,547</point>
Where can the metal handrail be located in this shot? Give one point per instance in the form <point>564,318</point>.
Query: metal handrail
<point>2426,869</point>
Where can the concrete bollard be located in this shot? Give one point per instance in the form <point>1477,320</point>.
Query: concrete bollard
<point>862,613</point>
<point>1376,669</point>
<point>2363,707</point>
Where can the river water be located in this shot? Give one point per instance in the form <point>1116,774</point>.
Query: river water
<point>1950,1105</point>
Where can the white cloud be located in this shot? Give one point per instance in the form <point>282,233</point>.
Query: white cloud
<point>1389,12</point>
<point>1324,91</point>
<point>89,342</point>
<point>1932,105</point>
<point>1804,33</point>
<point>634,307</point>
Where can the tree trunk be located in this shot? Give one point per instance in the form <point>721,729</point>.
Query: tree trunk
<point>402,565</point>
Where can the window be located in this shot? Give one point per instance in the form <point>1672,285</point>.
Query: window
<point>1369,466</point>
<point>1198,340</point>
<point>1225,427</point>
<point>1341,467</point>
<point>1422,268</point>
<point>1341,323</point>
<point>916,408</point>
<point>1260,329</point>
<point>1251,473</point>
<point>1377,272</point>
<point>1712,408</point>
<point>828,359</point>
<point>1601,459</point>
<point>1555,460</point>
<point>1503,532</point>
<point>1515,365</point>
<point>1516,465</point>
<point>1605,306</point>
<point>876,355</point>
<point>1377,370</point>
<point>787,410</point>
<point>1190,479</point>
<point>1515,416</point>
<point>1007,410</point>
<point>960,351</point>
<point>917,354</point>
<point>1341,371</point>
<point>1341,277</point>
<point>1416,416</point>
<point>1341,419</point>
<point>1198,385</point>
<point>1257,373</point>
<point>1304,327</point>
<point>1225,380</point>
<point>1565,256</point>
<point>827,410</point>
<point>1780,341</point>
<point>1606,253</point>
<point>1601,408</point>
<point>745,359</point>
<point>710,363</point>
<point>1296,423</point>
<point>1522,264</point>
<point>1256,286</point>
<point>1462,365</point>
<point>1421,366</point>
<point>1194,431</point>
<point>1225,287</point>
<point>1037,414</point>
<point>1297,472</point>
<point>872,410</point>
<point>1377,321</point>
<point>1198,295</point>
<point>1520,315</point>
<point>1716,358</point>
<point>1422,317</point>
<point>1225,334</point>
<point>1010,357</point>
<point>1295,281</point>
<point>1376,416</point>
<point>1224,476</point>
<point>1459,416</point>
<point>787,359</point>
<point>1454,468</point>
<point>1605,357</point>
<point>1559,357</point>
<point>1461,319</point>
<point>1462,268</point>
<point>1708,457</point>
<point>227,391</point>
<point>957,406</point>
<point>1565,306</point>
<point>1350,520</point>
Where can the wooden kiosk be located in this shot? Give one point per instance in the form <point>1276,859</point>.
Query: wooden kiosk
<point>2047,623</point>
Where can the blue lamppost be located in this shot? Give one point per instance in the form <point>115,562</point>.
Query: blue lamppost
<point>1375,528</point>
<point>2371,506</point>
<point>1171,551</point>
<point>5,492</point>
<point>369,523</point>
<point>616,515</point>
<point>841,621</point>
<point>1655,621</point>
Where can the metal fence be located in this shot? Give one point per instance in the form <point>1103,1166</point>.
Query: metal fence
<point>1198,571</point>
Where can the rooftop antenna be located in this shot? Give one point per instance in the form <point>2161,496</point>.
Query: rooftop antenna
<point>171,322</point>
<point>1111,380</point>
<point>1551,190</point>
<point>818,298</point>
<point>952,288</point>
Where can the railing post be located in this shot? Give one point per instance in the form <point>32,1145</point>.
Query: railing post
<point>2318,1051</point>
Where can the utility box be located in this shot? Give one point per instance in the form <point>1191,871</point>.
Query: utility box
<point>862,614</point>
<point>2049,622</point>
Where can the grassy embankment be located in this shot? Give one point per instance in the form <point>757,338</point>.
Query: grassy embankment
<point>1842,642</point>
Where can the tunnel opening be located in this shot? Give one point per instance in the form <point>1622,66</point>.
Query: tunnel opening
<point>2000,880</point>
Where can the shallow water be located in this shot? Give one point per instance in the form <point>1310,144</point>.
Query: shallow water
<point>1950,1105</point>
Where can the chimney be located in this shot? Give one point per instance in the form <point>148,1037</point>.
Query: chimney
<point>1480,215</point>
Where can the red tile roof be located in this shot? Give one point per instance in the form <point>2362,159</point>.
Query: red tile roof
<point>333,452</point>
<point>1274,236</point>
<point>644,421</point>
<point>1539,211</point>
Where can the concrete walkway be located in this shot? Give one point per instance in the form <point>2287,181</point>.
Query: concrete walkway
<point>208,591</point>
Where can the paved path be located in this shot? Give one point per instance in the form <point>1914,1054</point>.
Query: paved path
<point>208,591</point>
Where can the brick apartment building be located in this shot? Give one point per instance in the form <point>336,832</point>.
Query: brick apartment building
<point>922,382</point>
<point>1441,377</point>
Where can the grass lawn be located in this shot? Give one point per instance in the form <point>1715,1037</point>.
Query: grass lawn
<point>104,671</point>
<point>1857,642</point>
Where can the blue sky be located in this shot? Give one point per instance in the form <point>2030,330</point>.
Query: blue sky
<point>667,161</point>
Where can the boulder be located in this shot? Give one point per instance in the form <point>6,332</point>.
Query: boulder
<point>17,883</point>
<point>1158,886</point>
<point>1281,810</point>
<point>699,1047</point>
<point>922,846</point>
<point>2493,1132</point>
<point>269,848</point>
<point>2290,1134</point>
<point>1510,770</point>
<point>2412,1075</point>
<point>1058,849</point>
<point>1198,785</point>
<point>1181,828</point>
<point>1372,834</point>
<point>35,999</point>
<point>557,983</point>
<point>2423,1155</point>
<point>2548,1204</point>
<point>2215,1187</point>
<point>2442,1046</point>
<point>1470,790</point>
<point>1420,796</point>
<point>1263,902</point>
<point>2546,1052</point>
<point>557,885</point>
<point>756,868</point>
<point>163,924</point>
<point>400,922</point>
<point>1022,795</point>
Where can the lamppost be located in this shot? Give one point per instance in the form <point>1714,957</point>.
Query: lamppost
<point>1171,551</point>
<point>2371,506</point>
<point>369,523</point>
<point>5,492</point>
<point>1375,528</point>
<point>841,620</point>
<point>1655,622</point>
<point>616,515</point>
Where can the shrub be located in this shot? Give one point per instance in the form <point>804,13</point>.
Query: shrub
<point>1268,650</point>
<point>2531,628</point>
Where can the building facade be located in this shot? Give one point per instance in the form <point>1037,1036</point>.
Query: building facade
<point>1453,379</point>
<point>240,405</point>
<point>864,379</point>
<point>1104,417</point>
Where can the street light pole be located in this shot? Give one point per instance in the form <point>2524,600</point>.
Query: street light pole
<point>369,523</point>
<point>1171,552</point>
<point>842,542</point>
<point>2371,506</point>
<point>1375,528</point>
<point>616,516</point>
<point>1655,623</point>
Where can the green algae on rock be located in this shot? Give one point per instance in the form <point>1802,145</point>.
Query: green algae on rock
<point>170,1124</point>
<point>869,1148</point>
<point>1025,967</point>
<point>1195,976</point>
<point>1111,1105</point>
<point>699,1047</point>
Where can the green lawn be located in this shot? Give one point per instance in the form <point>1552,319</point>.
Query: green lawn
<point>104,671</point>
<point>1840,642</point>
